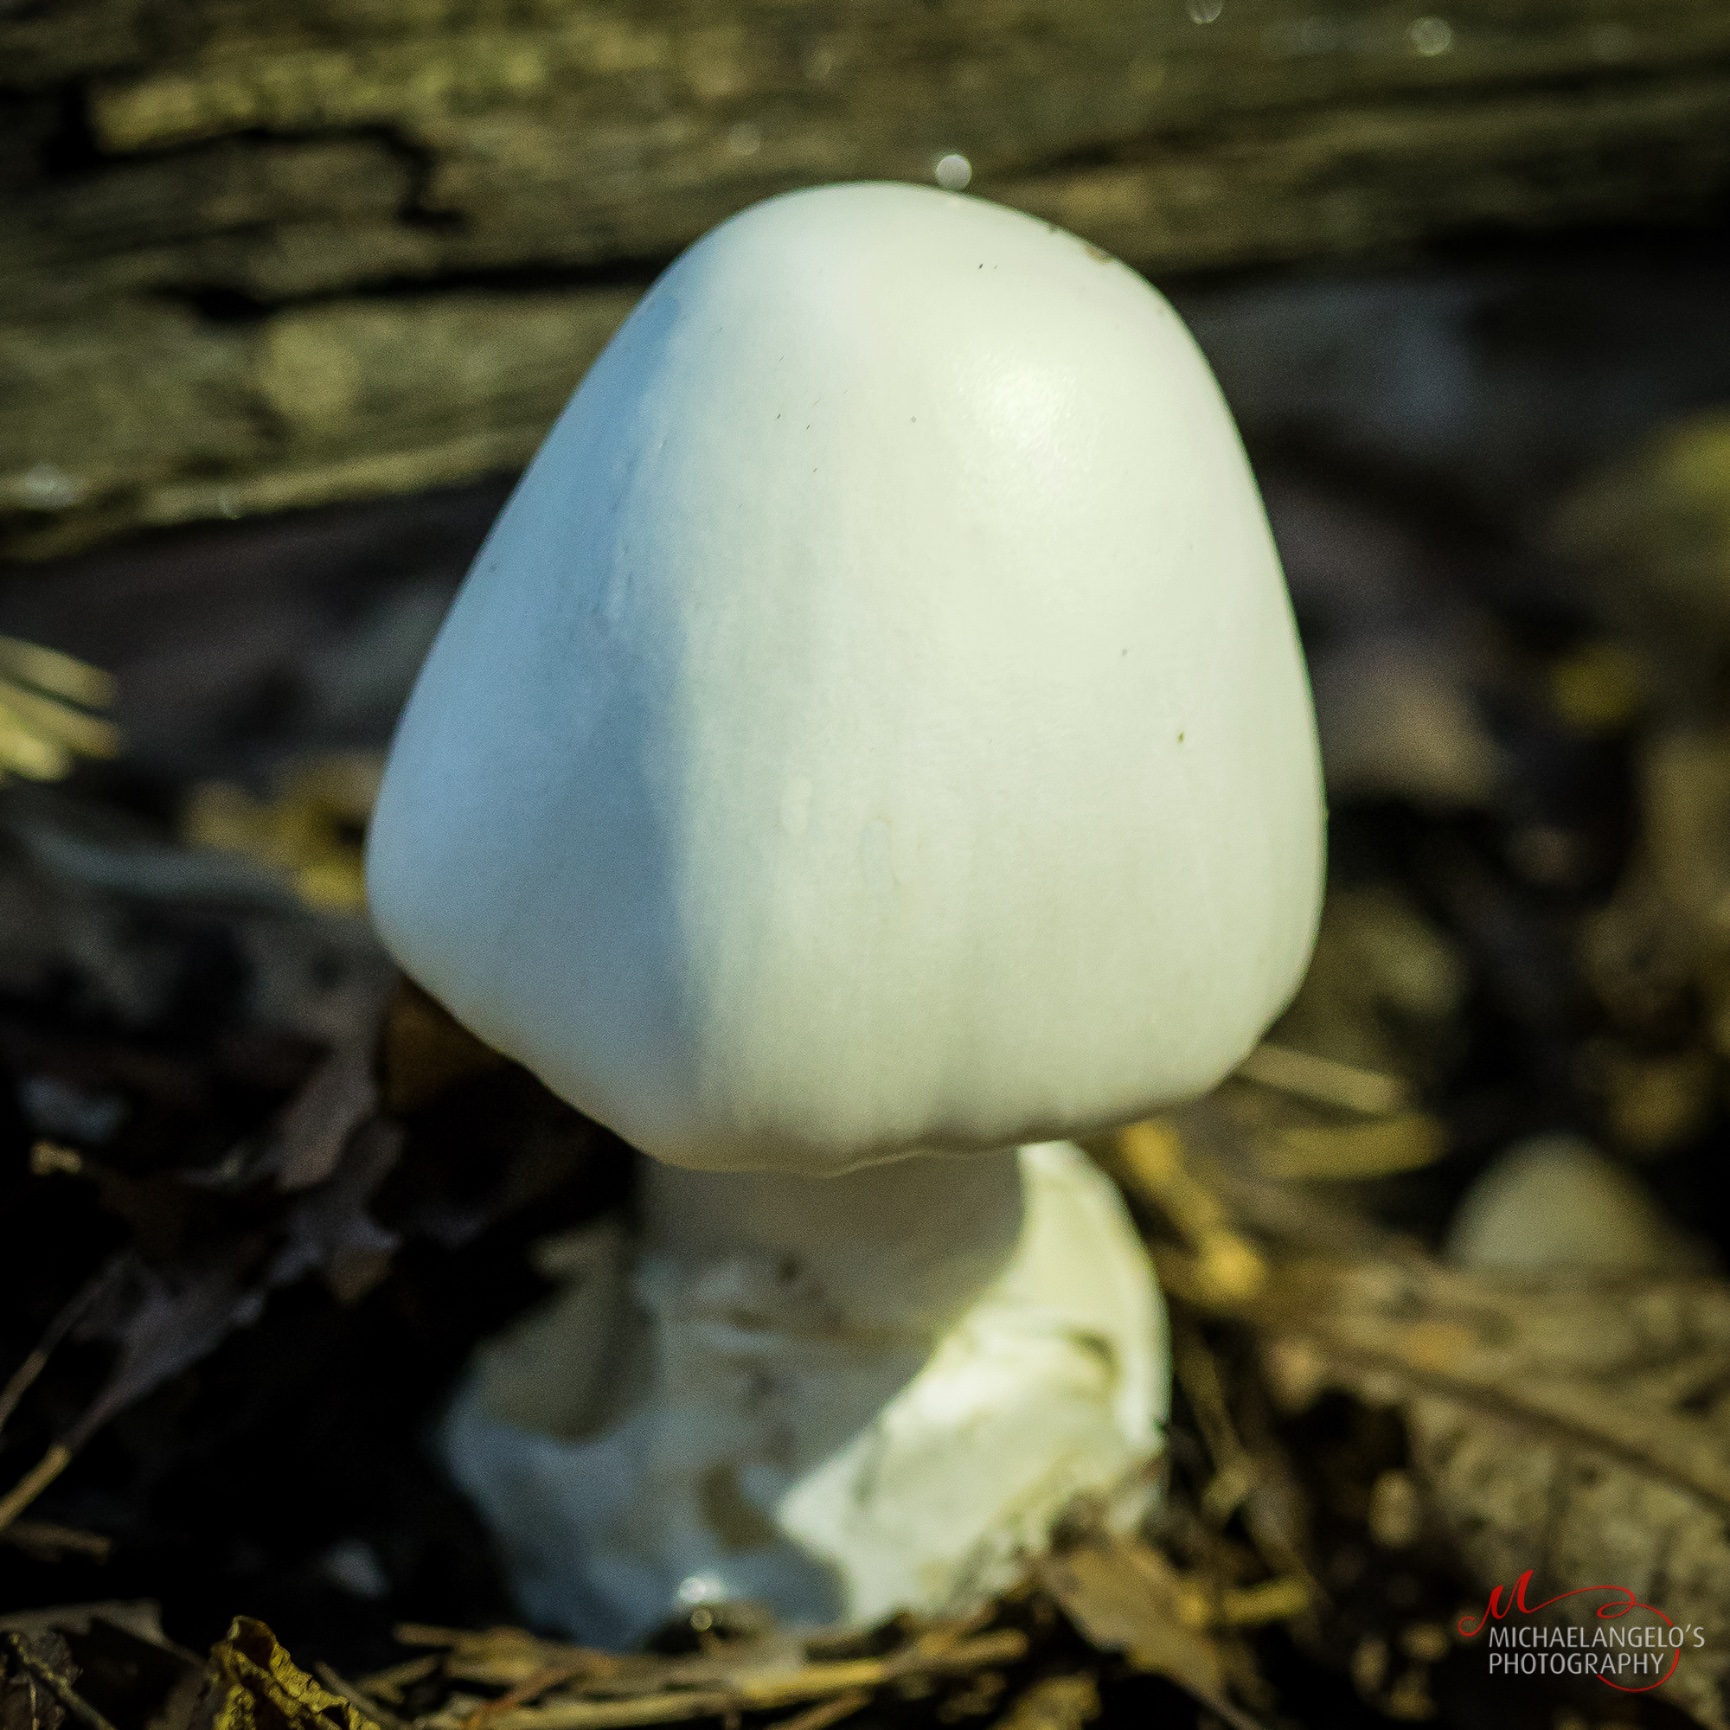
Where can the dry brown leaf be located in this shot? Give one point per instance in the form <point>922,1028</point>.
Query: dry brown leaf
<point>1398,718</point>
<point>164,1318</point>
<point>426,1050</point>
<point>1056,1703</point>
<point>254,1685</point>
<point>315,1128</point>
<point>1665,938</point>
<point>1124,1597</point>
<point>36,1683</point>
<point>1578,1430</point>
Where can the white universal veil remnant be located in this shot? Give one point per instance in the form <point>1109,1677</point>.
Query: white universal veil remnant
<point>872,744</point>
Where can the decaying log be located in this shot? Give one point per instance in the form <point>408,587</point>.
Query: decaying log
<point>264,253</point>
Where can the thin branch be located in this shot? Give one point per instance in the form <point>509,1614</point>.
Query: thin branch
<point>33,1483</point>
<point>56,1684</point>
<point>49,1540</point>
<point>69,1317</point>
<point>359,1698</point>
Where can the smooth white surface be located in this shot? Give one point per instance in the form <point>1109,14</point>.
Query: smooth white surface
<point>876,721</point>
<point>838,1442</point>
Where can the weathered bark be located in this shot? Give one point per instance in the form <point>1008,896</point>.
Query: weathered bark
<point>295,250</point>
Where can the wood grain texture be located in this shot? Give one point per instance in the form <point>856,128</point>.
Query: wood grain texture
<point>259,253</point>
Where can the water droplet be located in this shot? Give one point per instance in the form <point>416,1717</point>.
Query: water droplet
<point>744,139</point>
<point>1430,36</point>
<point>700,1588</point>
<point>953,171</point>
<point>1204,11</point>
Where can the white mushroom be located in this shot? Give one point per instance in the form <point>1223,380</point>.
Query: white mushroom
<point>874,732</point>
<point>1551,1203</point>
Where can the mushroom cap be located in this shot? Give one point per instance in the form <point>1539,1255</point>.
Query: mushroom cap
<point>876,722</point>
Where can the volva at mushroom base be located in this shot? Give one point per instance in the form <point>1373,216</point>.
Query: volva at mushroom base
<point>872,746</point>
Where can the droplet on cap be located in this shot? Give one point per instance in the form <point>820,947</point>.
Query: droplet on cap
<point>1431,36</point>
<point>953,171</point>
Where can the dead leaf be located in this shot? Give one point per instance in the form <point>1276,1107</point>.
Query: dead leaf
<point>254,1685</point>
<point>1056,1703</point>
<point>1666,934</point>
<point>165,1318</point>
<point>45,1661</point>
<point>1124,1597</point>
<point>426,1050</point>
<point>313,1131</point>
<point>36,1668</point>
<point>1581,1429</point>
<point>1398,719</point>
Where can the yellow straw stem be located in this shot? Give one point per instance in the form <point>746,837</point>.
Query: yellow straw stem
<point>33,1483</point>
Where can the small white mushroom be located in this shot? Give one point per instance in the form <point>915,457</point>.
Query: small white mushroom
<point>874,732</point>
<point>1554,1203</point>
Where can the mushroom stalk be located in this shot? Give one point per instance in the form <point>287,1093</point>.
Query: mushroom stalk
<point>847,1395</point>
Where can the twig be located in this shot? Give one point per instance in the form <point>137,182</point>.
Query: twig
<point>1271,1601</point>
<point>389,1684</point>
<point>33,1483</point>
<point>69,1317</point>
<point>359,1698</point>
<point>56,1684</point>
<point>1325,1081</point>
<point>41,1535</point>
<point>765,1689</point>
<point>1221,1262</point>
<point>423,1634</point>
<point>59,675</point>
<point>530,1688</point>
<point>826,1712</point>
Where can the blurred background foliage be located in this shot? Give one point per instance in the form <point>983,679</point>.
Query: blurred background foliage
<point>261,254</point>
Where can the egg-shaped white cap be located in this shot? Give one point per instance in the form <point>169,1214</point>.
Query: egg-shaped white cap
<point>876,721</point>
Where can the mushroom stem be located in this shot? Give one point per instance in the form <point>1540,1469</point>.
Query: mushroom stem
<point>888,1253</point>
<point>842,1395</point>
